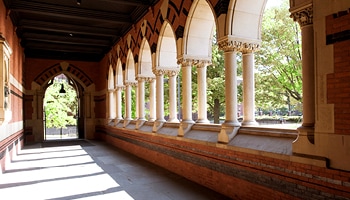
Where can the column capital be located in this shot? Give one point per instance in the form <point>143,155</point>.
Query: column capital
<point>304,15</point>
<point>173,72</point>
<point>203,63</point>
<point>141,78</point>
<point>131,84</point>
<point>159,72</point>
<point>188,61</point>
<point>229,44</point>
<point>119,88</point>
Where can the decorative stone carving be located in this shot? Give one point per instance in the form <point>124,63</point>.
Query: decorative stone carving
<point>171,73</point>
<point>5,106</point>
<point>303,16</point>
<point>228,45</point>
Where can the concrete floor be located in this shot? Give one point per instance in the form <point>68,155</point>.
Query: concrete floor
<point>92,170</point>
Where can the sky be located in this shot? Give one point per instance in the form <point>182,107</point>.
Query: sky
<point>272,3</point>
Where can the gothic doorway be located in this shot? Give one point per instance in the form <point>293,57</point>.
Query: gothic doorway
<point>61,109</point>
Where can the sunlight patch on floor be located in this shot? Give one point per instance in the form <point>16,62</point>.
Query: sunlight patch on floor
<point>58,173</point>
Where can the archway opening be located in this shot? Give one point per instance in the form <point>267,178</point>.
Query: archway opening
<point>60,109</point>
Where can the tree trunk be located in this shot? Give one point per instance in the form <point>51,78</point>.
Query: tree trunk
<point>216,111</point>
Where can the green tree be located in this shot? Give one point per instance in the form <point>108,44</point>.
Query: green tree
<point>60,110</point>
<point>278,77</point>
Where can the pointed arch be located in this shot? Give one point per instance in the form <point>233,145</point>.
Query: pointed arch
<point>244,19</point>
<point>119,74</point>
<point>166,49</point>
<point>130,68</point>
<point>199,29</point>
<point>110,78</point>
<point>145,60</point>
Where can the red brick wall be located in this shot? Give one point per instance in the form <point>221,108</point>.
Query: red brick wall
<point>338,83</point>
<point>234,173</point>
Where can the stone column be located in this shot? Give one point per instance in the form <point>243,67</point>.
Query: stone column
<point>248,85</point>
<point>141,102</point>
<point>187,121</point>
<point>111,109</point>
<point>202,91</point>
<point>187,92</point>
<point>159,100</point>
<point>304,17</point>
<point>152,100</point>
<point>128,87</point>
<point>231,125</point>
<point>172,96</point>
<point>119,102</point>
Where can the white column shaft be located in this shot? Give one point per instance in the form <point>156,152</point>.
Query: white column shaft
<point>160,97</point>
<point>231,88</point>
<point>141,98</point>
<point>172,99</point>
<point>152,100</point>
<point>119,103</point>
<point>187,92</point>
<point>128,102</point>
<point>307,35</point>
<point>202,93</point>
<point>111,109</point>
<point>248,89</point>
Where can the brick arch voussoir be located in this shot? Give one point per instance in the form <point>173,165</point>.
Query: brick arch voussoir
<point>57,69</point>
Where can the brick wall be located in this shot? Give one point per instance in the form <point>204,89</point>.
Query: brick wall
<point>234,172</point>
<point>338,83</point>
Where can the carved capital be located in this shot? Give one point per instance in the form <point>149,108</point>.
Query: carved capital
<point>229,45</point>
<point>120,88</point>
<point>303,16</point>
<point>250,47</point>
<point>171,73</point>
<point>159,72</point>
<point>130,84</point>
<point>203,63</point>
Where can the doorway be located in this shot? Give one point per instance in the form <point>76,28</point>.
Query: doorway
<point>61,109</point>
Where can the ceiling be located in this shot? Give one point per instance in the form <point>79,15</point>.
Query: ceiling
<point>82,30</point>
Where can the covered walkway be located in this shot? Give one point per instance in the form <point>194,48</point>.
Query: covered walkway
<point>82,169</point>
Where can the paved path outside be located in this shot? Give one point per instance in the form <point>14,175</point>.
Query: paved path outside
<point>92,170</point>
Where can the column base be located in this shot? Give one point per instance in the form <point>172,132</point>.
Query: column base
<point>157,125</point>
<point>116,121</point>
<point>228,132</point>
<point>126,122</point>
<point>175,120</point>
<point>203,121</point>
<point>185,127</point>
<point>304,144</point>
<point>249,123</point>
<point>140,123</point>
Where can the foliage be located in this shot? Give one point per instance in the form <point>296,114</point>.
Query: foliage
<point>60,110</point>
<point>278,81</point>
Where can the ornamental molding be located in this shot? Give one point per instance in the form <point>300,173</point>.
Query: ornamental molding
<point>230,44</point>
<point>171,73</point>
<point>203,63</point>
<point>304,15</point>
<point>159,72</point>
<point>188,60</point>
<point>131,83</point>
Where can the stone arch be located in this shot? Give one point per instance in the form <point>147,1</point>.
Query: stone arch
<point>145,60</point>
<point>244,19</point>
<point>80,82</point>
<point>65,68</point>
<point>119,77</point>
<point>199,29</point>
<point>166,48</point>
<point>130,68</point>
